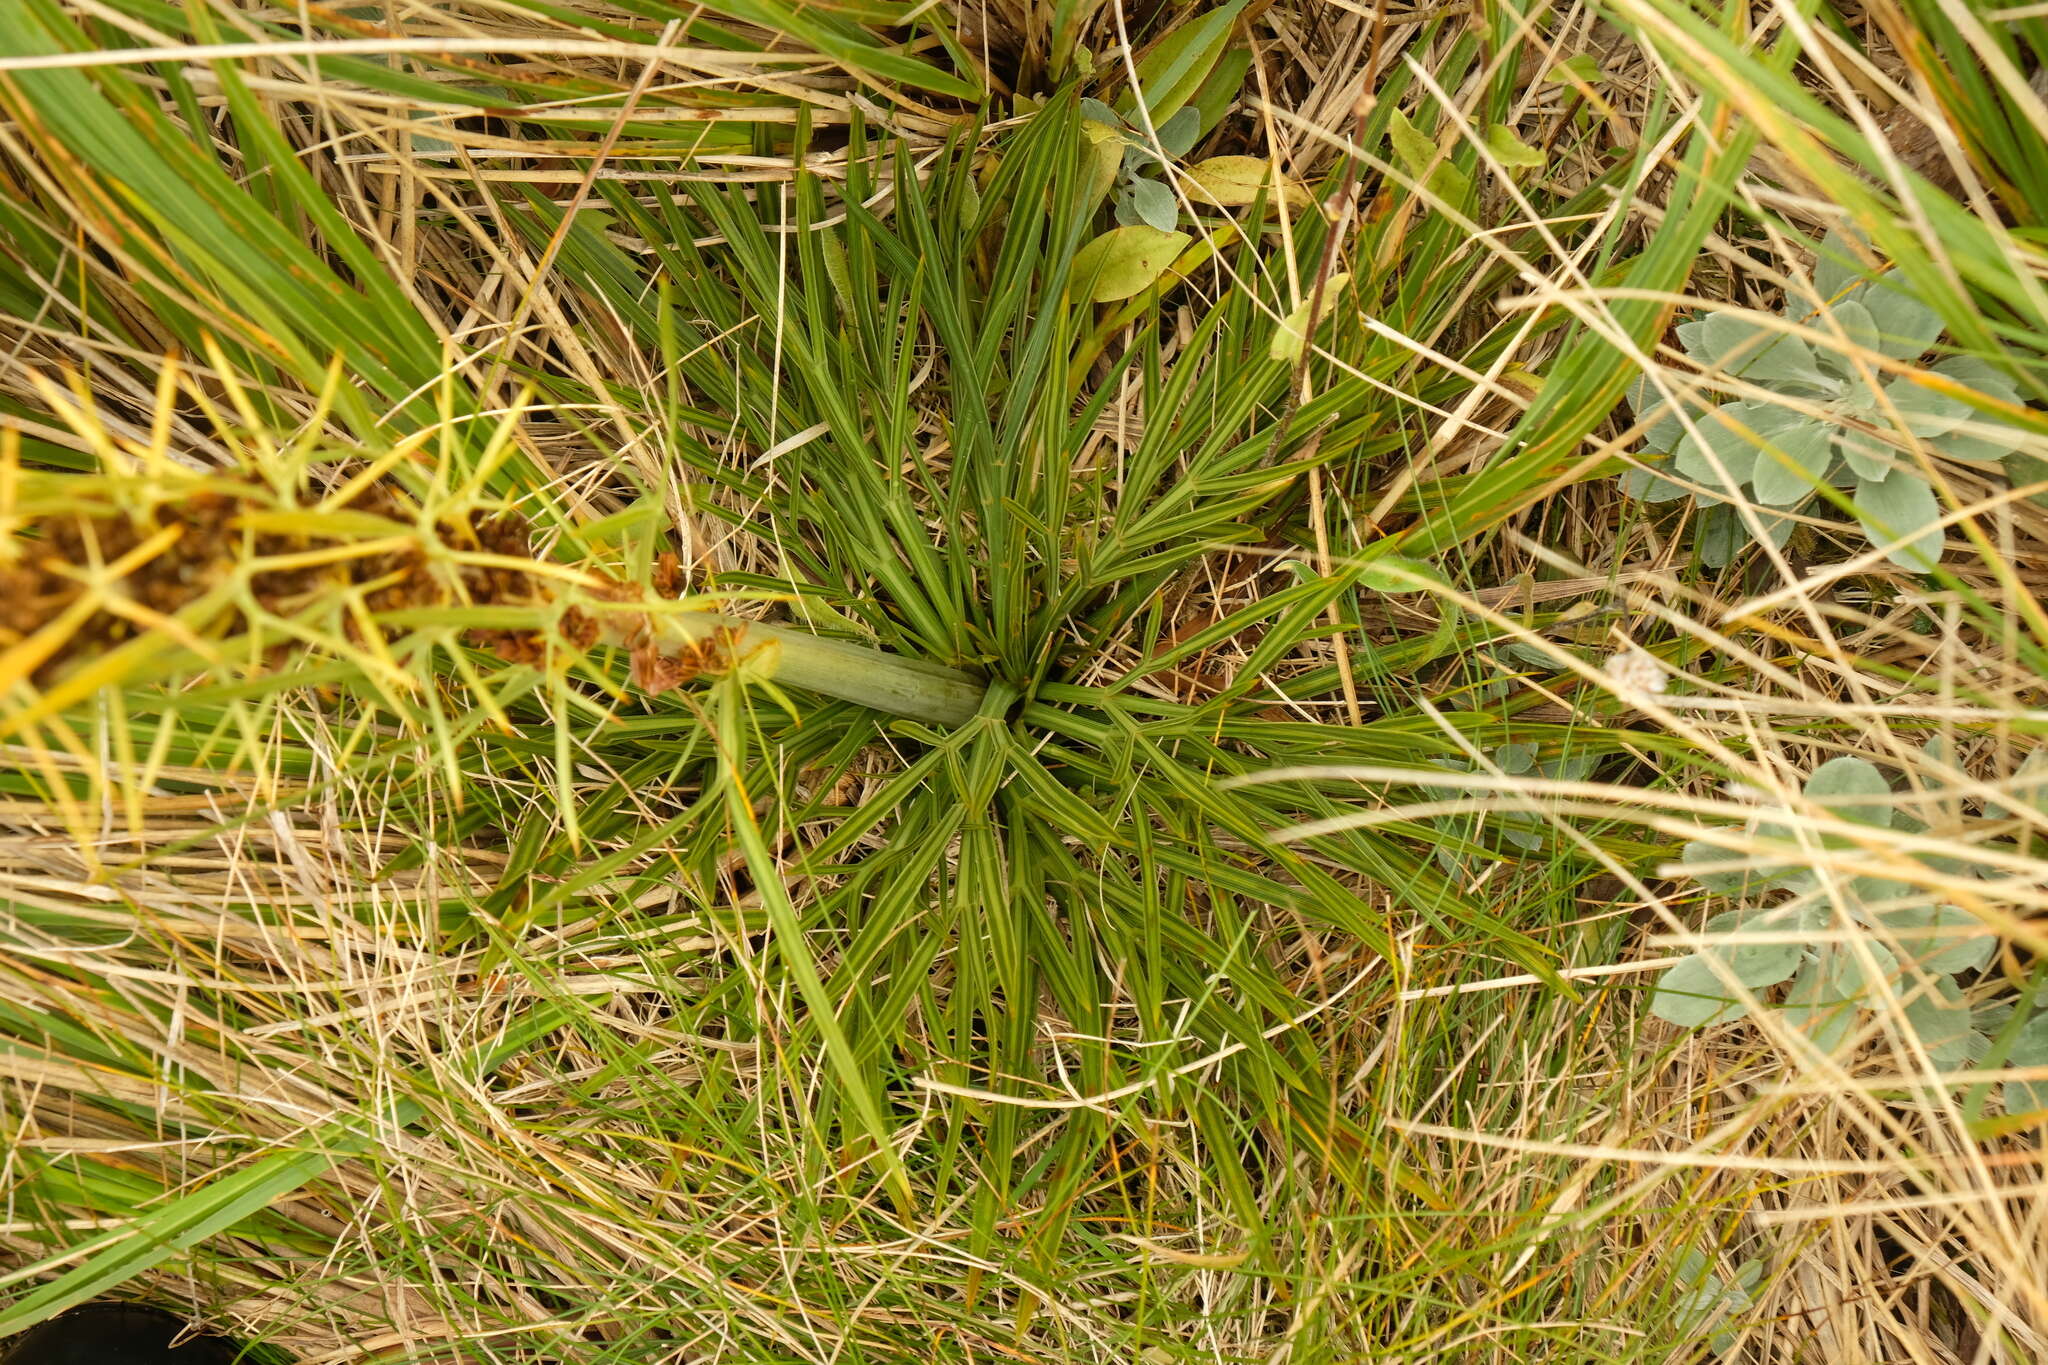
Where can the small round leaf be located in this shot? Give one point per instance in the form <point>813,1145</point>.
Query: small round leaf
<point>1510,150</point>
<point>1742,344</point>
<point>1861,329</point>
<point>1648,405</point>
<point>1833,986</point>
<point>1702,863</point>
<point>1399,573</point>
<point>1690,995</point>
<point>1841,265</point>
<point>1153,203</point>
<point>1906,327</point>
<point>1755,965</point>
<point>1940,1021</point>
<point>1853,789</point>
<point>1719,451</point>
<point>1900,507</point>
<point>1926,413</point>
<point>1866,456</point>
<point>1720,537</point>
<point>1177,135</point>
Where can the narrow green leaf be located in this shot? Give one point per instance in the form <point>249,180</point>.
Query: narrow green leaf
<point>1174,68</point>
<point>857,1086</point>
<point>1582,68</point>
<point>1224,84</point>
<point>1399,573</point>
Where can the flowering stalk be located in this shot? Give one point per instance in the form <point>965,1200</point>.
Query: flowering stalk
<point>107,580</point>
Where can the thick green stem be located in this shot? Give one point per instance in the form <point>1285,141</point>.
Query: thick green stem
<point>886,682</point>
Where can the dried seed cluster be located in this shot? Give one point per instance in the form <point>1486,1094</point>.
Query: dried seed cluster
<point>50,572</point>
<point>655,670</point>
<point>161,563</point>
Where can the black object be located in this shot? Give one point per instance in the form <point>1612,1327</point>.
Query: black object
<point>116,1334</point>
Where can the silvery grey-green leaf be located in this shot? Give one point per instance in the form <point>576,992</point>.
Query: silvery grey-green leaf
<point>2025,469</point>
<point>1940,938</point>
<point>1875,894</point>
<point>1901,507</point>
<point>1906,327</point>
<point>1940,1020</point>
<point>1838,268</point>
<point>1702,863</point>
<point>1984,436</point>
<point>1791,462</point>
<point>1978,442</point>
<point>1980,374</point>
<point>2028,786</point>
<point>1177,135</point>
<point>1691,996</point>
<point>1720,451</point>
<point>1777,527</point>
<point>1925,412</point>
<point>1852,789</point>
<point>1726,531</point>
<point>1796,876</point>
<point>1647,404</point>
<point>1154,204</point>
<point>1866,456</point>
<point>1098,112</point>
<point>2029,1049</point>
<point>1741,344</point>
<point>1824,1000</point>
<point>1520,828</point>
<point>1816,1007</point>
<point>1719,536</point>
<point>1862,332</point>
<point>1646,485</point>
<point>1569,767</point>
<point>1755,965</point>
